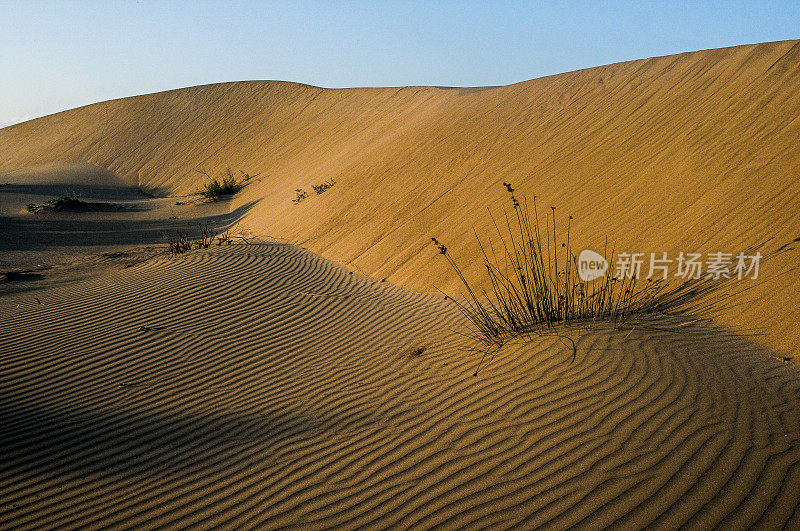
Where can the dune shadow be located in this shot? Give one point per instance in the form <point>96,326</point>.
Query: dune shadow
<point>82,191</point>
<point>39,232</point>
<point>81,206</point>
<point>54,442</point>
<point>19,276</point>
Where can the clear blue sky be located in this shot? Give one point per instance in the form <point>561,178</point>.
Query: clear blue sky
<point>59,55</point>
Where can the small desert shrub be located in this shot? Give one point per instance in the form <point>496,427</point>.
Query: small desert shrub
<point>300,196</point>
<point>321,188</point>
<point>534,284</point>
<point>183,243</point>
<point>226,184</point>
<point>216,188</point>
<point>65,203</point>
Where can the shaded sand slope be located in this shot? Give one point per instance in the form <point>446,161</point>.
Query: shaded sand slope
<point>115,223</point>
<point>696,152</point>
<point>115,213</point>
<point>264,386</point>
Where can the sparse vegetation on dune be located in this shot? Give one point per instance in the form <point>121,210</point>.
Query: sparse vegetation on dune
<point>300,195</point>
<point>65,203</point>
<point>215,188</point>
<point>184,243</point>
<point>535,284</point>
<point>321,188</point>
<point>223,185</point>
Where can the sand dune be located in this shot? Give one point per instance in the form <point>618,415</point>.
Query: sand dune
<point>312,377</point>
<point>264,386</point>
<point>695,152</point>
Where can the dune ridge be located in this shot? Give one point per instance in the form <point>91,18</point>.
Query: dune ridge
<point>286,393</point>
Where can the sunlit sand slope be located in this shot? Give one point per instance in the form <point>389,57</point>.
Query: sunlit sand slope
<point>264,386</point>
<point>696,152</point>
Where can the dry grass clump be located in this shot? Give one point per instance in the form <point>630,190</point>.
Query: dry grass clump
<point>535,283</point>
<point>65,203</point>
<point>319,189</point>
<point>300,195</point>
<point>208,236</point>
<point>325,185</point>
<point>184,243</point>
<point>226,184</point>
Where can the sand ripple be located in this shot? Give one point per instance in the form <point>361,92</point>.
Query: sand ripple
<point>263,386</point>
